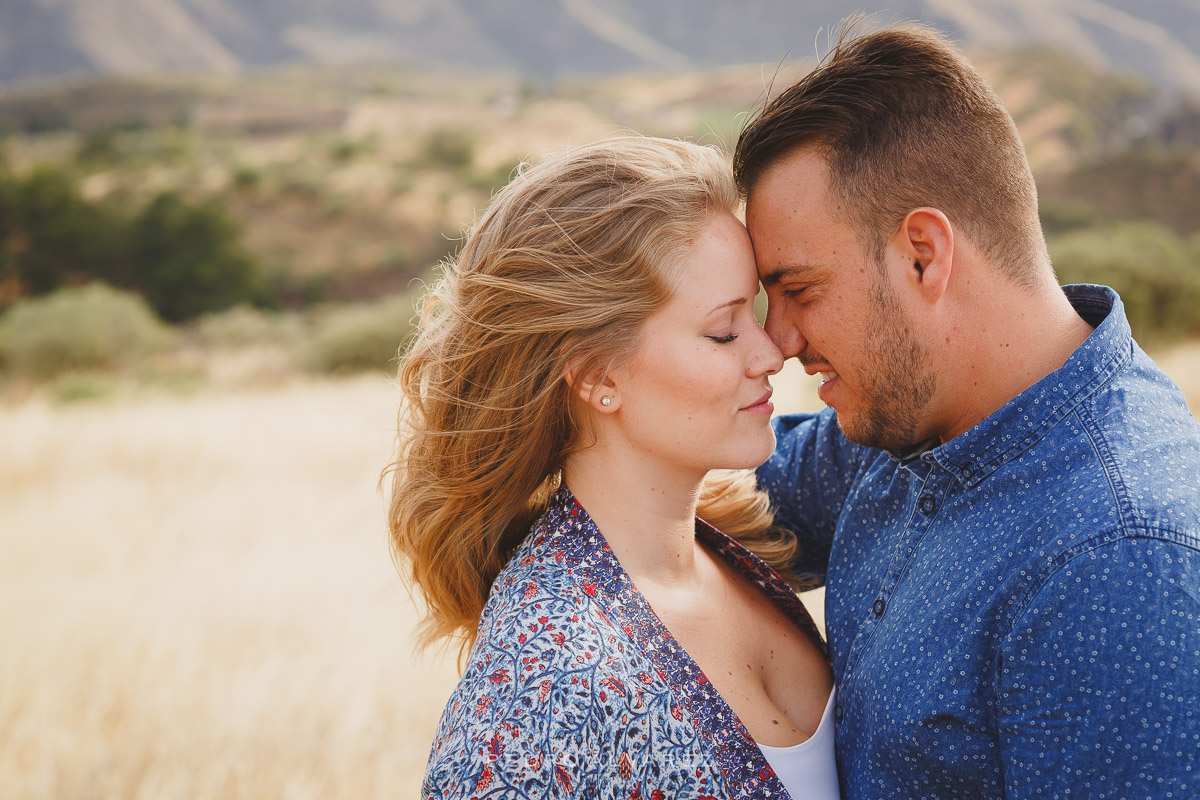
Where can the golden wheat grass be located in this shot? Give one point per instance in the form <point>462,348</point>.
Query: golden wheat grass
<point>197,601</point>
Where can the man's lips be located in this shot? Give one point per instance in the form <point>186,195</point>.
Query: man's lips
<point>826,374</point>
<point>829,383</point>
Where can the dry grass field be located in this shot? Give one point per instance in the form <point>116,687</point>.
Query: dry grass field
<point>197,601</point>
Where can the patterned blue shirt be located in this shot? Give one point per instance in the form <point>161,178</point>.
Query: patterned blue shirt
<point>1014,613</point>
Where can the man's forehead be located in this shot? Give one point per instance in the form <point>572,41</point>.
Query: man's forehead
<point>778,207</point>
<point>801,170</point>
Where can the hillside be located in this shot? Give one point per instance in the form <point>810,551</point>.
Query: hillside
<point>350,182</point>
<point>549,40</point>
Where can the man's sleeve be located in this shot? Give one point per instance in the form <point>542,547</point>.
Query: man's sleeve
<point>1100,677</point>
<point>808,478</point>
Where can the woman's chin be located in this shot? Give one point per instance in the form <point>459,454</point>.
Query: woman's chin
<point>752,457</point>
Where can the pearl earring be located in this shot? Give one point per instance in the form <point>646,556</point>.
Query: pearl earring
<point>606,401</point>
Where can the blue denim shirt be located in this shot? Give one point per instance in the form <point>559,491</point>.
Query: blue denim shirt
<point>1014,613</point>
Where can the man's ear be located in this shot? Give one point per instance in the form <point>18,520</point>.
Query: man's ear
<point>595,388</point>
<point>925,242</point>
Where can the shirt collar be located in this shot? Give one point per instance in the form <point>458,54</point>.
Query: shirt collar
<point>1023,421</point>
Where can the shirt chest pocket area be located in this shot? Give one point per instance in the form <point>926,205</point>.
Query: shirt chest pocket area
<point>927,712</point>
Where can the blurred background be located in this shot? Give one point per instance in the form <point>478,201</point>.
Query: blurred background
<point>216,217</point>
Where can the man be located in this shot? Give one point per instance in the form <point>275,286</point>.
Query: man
<point>1004,496</point>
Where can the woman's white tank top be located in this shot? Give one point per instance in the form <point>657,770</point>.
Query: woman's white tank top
<point>808,770</point>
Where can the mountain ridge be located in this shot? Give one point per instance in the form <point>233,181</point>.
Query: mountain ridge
<point>553,40</point>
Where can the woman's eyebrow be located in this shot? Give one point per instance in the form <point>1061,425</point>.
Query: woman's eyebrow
<point>735,302</point>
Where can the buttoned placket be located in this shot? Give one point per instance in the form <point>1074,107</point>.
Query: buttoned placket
<point>929,491</point>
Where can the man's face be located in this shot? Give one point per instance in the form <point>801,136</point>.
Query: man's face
<point>834,307</point>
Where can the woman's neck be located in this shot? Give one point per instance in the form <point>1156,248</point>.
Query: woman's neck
<point>646,513</point>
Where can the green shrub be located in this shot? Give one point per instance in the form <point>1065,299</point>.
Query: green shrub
<point>73,387</point>
<point>98,146</point>
<point>1156,272</point>
<point>88,328</point>
<point>51,236</point>
<point>187,259</point>
<point>452,149</point>
<point>246,177</point>
<point>345,150</point>
<point>1066,215</point>
<point>363,337</point>
<point>243,326</point>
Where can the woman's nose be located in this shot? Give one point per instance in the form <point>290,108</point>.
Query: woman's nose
<point>767,358</point>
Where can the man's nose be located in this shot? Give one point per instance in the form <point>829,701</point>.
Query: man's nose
<point>783,332</point>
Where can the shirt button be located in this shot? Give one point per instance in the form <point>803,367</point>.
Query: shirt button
<point>966,472</point>
<point>878,606</point>
<point>928,505</point>
<point>837,712</point>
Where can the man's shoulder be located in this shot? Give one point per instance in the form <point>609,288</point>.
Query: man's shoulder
<point>1148,443</point>
<point>1125,463</point>
<point>1122,464</point>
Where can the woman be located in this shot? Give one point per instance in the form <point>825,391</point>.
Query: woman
<point>587,360</point>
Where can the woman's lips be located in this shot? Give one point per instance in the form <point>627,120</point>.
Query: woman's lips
<point>761,406</point>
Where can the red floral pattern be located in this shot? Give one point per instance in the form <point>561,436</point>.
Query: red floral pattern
<point>575,688</point>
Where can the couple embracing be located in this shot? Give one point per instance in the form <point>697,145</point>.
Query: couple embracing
<point>1002,497</point>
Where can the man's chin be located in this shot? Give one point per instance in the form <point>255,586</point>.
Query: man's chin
<point>874,433</point>
<point>850,431</point>
<point>848,428</point>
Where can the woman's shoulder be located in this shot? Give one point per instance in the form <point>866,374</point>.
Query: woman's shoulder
<point>537,596</point>
<point>544,604</point>
<point>762,574</point>
<point>539,687</point>
<point>550,565</point>
<point>538,572</point>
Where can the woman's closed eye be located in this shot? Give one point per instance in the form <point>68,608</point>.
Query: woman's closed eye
<point>724,339</point>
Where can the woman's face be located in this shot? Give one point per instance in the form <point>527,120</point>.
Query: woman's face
<point>697,395</point>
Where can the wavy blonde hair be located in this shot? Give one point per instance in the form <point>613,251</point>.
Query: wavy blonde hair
<point>560,272</point>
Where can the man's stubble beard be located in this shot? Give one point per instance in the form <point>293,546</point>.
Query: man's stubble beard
<point>899,380</point>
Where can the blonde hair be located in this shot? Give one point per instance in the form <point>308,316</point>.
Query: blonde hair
<point>560,272</point>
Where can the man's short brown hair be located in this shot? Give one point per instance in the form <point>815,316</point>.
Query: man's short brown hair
<point>903,121</point>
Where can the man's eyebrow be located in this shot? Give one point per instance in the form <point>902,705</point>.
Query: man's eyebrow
<point>776,275</point>
<point>735,302</point>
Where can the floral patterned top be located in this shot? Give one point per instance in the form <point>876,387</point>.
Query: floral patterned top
<point>575,688</point>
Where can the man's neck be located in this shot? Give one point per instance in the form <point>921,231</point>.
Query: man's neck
<point>1018,338</point>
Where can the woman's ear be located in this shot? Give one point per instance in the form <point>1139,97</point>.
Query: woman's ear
<point>596,389</point>
<point>926,244</point>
